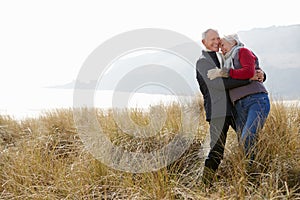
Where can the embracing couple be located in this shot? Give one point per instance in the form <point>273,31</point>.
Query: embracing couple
<point>234,95</point>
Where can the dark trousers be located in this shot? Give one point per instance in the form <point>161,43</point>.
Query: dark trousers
<point>218,133</point>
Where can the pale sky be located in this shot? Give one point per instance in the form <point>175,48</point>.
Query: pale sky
<point>45,43</point>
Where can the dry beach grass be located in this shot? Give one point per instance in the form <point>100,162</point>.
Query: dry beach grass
<point>44,158</point>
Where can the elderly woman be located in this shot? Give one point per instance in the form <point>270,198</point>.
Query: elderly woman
<point>251,101</point>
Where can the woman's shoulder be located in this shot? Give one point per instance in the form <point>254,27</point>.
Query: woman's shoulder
<point>245,51</point>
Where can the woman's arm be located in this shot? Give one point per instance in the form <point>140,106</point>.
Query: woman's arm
<point>247,60</point>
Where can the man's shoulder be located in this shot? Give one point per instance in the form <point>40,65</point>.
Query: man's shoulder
<point>204,59</point>
<point>203,56</point>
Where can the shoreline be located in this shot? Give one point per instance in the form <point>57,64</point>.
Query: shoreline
<point>23,114</point>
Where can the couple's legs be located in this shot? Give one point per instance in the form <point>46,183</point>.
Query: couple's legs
<point>251,114</point>
<point>218,133</point>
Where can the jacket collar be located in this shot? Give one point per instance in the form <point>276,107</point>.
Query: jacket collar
<point>207,56</point>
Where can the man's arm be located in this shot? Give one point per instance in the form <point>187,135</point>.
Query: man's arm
<point>259,76</point>
<point>219,83</point>
<point>230,83</point>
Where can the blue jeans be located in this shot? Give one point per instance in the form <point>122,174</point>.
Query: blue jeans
<point>251,114</point>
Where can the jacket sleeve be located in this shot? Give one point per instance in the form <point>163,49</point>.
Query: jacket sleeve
<point>219,83</point>
<point>247,60</point>
<point>231,83</point>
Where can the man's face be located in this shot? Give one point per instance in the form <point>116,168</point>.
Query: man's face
<point>212,41</point>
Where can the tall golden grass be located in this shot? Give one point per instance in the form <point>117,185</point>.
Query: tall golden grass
<point>44,158</point>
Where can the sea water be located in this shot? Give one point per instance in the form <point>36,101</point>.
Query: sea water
<point>32,103</point>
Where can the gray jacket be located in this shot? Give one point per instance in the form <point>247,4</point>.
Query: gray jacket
<point>215,92</point>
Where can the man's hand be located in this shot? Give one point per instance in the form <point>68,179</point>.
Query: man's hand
<point>258,76</point>
<point>215,73</point>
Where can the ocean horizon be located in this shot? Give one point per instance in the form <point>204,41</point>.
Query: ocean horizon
<point>39,101</point>
<point>42,100</point>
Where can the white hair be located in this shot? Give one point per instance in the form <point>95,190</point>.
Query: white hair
<point>205,32</point>
<point>233,39</point>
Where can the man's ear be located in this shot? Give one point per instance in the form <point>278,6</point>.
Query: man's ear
<point>203,42</point>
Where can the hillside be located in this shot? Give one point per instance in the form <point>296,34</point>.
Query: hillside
<point>277,48</point>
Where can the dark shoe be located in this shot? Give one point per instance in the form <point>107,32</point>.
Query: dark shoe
<point>208,176</point>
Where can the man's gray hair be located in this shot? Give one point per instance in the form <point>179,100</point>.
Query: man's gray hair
<point>205,32</point>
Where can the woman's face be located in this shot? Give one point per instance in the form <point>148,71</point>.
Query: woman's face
<point>225,46</point>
